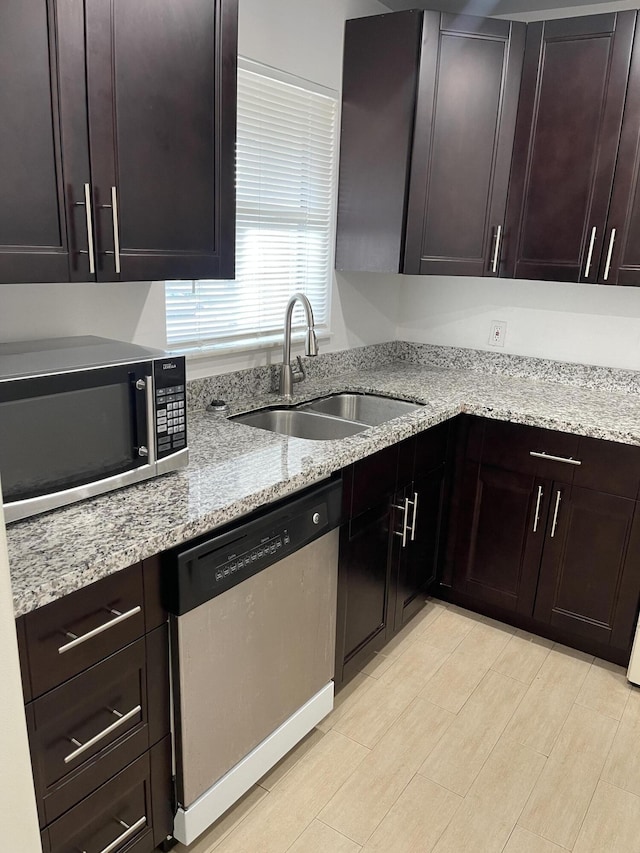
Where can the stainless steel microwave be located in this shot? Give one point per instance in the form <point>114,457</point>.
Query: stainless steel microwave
<point>84,415</point>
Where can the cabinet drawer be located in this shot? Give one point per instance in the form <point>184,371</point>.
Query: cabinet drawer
<point>510,446</point>
<point>85,731</point>
<point>120,809</point>
<point>71,634</point>
<point>608,467</point>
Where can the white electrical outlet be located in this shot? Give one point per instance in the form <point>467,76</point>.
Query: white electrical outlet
<point>498,333</point>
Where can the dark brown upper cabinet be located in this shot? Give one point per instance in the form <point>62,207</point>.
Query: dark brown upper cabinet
<point>620,259</point>
<point>570,111</point>
<point>44,151</point>
<point>465,120</point>
<point>117,140</point>
<point>429,110</point>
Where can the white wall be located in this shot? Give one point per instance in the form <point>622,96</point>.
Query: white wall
<point>132,311</point>
<point>570,322</point>
<point>303,37</point>
<point>555,11</point>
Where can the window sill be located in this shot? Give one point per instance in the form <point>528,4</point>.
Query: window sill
<point>257,344</point>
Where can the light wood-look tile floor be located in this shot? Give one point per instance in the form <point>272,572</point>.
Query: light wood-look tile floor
<point>464,736</point>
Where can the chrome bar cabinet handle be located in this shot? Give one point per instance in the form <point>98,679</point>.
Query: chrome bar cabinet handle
<point>116,229</point>
<point>607,266</point>
<point>128,832</point>
<point>405,518</point>
<point>414,504</point>
<point>87,210</point>
<point>537,515</point>
<point>119,617</point>
<point>555,513</point>
<point>587,267</point>
<point>89,220</point>
<point>83,747</point>
<point>548,456</point>
<point>496,250</point>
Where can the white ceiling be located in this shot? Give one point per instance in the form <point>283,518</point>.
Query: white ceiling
<point>489,7</point>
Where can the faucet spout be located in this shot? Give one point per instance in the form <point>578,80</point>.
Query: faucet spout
<point>311,342</point>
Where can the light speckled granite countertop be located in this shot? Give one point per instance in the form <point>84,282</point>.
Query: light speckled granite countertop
<point>235,469</point>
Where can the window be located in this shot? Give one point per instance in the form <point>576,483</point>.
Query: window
<point>286,177</point>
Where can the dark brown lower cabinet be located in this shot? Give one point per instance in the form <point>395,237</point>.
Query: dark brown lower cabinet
<point>126,813</point>
<point>503,515</point>
<point>364,580</point>
<point>417,562</point>
<point>390,544</point>
<point>556,554</point>
<point>106,710</point>
<point>589,577</point>
<point>99,727</point>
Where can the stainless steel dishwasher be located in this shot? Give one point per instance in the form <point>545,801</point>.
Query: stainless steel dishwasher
<point>253,642</point>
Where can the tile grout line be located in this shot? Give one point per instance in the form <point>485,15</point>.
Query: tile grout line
<point>528,683</point>
<point>553,841</point>
<point>493,747</point>
<point>360,846</point>
<point>413,701</point>
<point>233,829</point>
<point>618,788</point>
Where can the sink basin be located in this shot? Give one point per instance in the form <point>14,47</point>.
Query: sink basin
<point>366,409</point>
<point>301,424</point>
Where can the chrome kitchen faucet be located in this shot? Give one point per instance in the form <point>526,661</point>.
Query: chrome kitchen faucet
<point>287,377</point>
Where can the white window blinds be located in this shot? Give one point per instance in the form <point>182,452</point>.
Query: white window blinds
<point>286,177</point>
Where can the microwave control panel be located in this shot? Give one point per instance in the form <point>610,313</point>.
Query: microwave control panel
<point>170,405</point>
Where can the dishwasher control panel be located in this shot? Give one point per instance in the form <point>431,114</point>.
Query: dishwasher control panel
<point>268,547</point>
<point>194,575</point>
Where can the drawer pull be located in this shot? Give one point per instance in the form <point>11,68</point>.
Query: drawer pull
<point>83,747</point>
<point>119,617</point>
<point>550,458</point>
<point>128,832</point>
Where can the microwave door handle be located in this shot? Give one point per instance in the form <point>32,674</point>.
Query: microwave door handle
<point>147,444</point>
<point>151,419</point>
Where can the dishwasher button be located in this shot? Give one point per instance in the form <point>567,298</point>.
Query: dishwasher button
<point>315,518</point>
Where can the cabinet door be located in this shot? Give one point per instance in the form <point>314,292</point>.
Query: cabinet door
<point>567,133</point>
<point>364,579</point>
<point>466,111</point>
<point>44,158</point>
<point>620,262</point>
<point>162,95</point>
<point>501,534</point>
<point>590,574</point>
<point>380,76</point>
<point>418,560</point>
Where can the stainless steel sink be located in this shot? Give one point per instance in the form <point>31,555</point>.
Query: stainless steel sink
<point>368,409</point>
<point>299,424</point>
